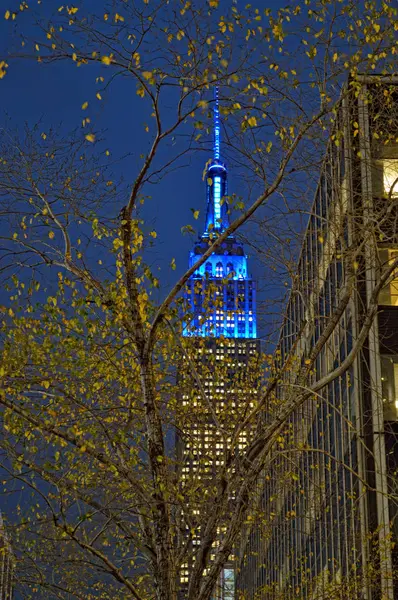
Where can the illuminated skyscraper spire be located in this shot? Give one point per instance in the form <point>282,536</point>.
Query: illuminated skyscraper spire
<point>235,316</point>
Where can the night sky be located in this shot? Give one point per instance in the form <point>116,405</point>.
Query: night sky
<point>53,95</point>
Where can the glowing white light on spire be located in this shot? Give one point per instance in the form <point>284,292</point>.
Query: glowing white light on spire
<point>217,200</point>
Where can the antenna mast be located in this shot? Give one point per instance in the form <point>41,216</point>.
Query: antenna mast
<point>216,126</point>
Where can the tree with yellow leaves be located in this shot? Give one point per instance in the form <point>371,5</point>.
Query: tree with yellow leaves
<point>88,364</point>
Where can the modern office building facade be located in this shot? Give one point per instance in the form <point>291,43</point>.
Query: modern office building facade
<point>328,499</point>
<point>6,564</point>
<point>220,326</point>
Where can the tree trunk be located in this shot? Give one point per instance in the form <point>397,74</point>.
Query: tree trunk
<point>164,571</point>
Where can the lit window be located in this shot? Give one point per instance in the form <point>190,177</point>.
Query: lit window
<point>385,178</point>
<point>389,381</point>
<point>390,178</point>
<point>389,294</point>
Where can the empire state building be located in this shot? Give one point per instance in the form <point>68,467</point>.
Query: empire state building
<point>232,312</point>
<point>220,329</point>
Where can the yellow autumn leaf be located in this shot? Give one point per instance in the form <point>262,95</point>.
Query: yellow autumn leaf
<point>3,66</point>
<point>99,96</point>
<point>84,105</point>
<point>153,234</point>
<point>106,60</point>
<point>7,15</point>
<point>252,121</point>
<point>51,235</point>
<point>46,384</point>
<point>90,137</point>
<point>195,214</point>
<point>117,243</point>
<point>147,74</point>
<point>335,57</point>
<point>376,27</point>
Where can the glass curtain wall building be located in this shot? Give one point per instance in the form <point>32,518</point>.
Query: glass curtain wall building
<point>6,564</point>
<point>328,500</point>
<point>220,321</point>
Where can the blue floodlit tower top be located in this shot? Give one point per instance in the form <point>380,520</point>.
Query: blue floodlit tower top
<point>233,312</point>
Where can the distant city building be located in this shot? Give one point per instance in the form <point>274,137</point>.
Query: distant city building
<point>231,309</point>
<point>220,317</point>
<point>328,526</point>
<point>6,564</point>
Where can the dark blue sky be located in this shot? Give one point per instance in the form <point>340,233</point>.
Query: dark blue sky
<point>53,94</point>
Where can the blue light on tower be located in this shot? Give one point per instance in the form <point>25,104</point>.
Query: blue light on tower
<point>234,313</point>
<point>217,198</point>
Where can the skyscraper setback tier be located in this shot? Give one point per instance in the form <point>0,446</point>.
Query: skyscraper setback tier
<point>220,326</point>
<point>328,499</point>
